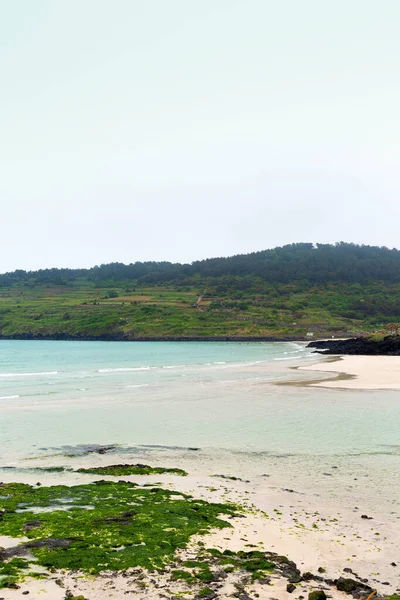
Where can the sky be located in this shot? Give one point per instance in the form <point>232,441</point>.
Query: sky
<point>135,130</point>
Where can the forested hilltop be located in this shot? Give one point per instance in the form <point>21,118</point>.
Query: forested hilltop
<point>296,291</point>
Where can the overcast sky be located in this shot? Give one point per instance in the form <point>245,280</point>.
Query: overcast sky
<point>183,129</point>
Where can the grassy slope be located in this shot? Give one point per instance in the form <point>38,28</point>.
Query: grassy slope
<point>161,311</point>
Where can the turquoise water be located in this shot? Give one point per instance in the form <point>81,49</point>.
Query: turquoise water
<point>208,395</point>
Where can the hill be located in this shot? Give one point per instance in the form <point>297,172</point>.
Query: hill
<point>295,291</point>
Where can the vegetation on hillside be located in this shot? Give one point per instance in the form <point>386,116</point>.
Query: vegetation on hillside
<point>286,292</point>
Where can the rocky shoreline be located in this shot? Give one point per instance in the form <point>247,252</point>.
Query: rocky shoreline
<point>387,346</point>
<point>120,337</point>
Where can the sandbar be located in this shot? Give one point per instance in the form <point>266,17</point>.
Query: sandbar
<point>360,372</point>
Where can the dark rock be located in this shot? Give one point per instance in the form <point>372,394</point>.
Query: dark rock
<point>209,596</point>
<point>29,525</point>
<point>366,517</point>
<point>317,595</point>
<point>389,345</point>
<point>355,588</point>
<point>11,585</point>
<point>241,593</point>
<point>287,568</point>
<point>231,478</point>
<point>103,449</point>
<point>124,519</point>
<point>290,588</point>
<point>49,543</point>
<point>264,580</point>
<point>307,576</point>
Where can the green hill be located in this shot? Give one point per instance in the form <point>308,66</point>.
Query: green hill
<point>292,291</point>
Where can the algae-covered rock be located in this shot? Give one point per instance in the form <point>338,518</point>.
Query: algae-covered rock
<point>317,595</point>
<point>124,470</point>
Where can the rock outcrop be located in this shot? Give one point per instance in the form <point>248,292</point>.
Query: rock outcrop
<point>388,345</point>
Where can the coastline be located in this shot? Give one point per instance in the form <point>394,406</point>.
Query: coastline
<point>63,337</point>
<point>359,372</point>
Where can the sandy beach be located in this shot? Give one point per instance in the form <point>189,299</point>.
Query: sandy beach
<point>314,514</point>
<point>360,372</point>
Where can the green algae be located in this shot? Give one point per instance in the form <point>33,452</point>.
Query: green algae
<point>211,562</point>
<point>206,591</point>
<point>10,571</point>
<point>8,582</point>
<point>123,470</point>
<point>181,575</point>
<point>37,469</point>
<point>254,562</point>
<point>51,469</point>
<point>114,470</point>
<point>317,595</point>
<point>118,525</point>
<point>103,525</point>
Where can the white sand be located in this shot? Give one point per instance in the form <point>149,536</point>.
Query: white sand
<point>368,372</point>
<point>306,523</point>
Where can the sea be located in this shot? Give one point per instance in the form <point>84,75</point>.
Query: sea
<point>211,396</point>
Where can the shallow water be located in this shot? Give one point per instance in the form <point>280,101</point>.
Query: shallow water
<point>209,395</point>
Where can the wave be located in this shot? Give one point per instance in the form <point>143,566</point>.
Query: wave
<point>28,374</point>
<point>9,397</point>
<point>139,385</point>
<point>124,369</point>
<point>173,366</point>
<point>299,347</point>
<point>286,358</point>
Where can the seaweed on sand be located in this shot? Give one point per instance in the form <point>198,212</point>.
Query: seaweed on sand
<point>103,525</point>
<point>124,470</point>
